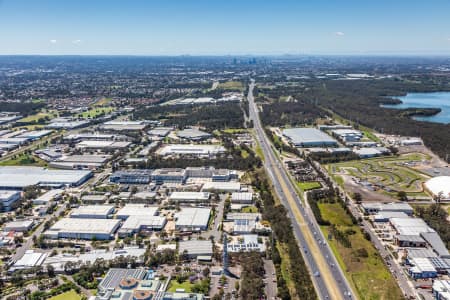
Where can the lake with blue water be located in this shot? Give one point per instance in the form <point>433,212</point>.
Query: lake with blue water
<point>426,100</point>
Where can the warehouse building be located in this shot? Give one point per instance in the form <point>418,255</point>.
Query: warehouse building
<point>76,138</point>
<point>419,253</point>
<point>90,162</point>
<point>136,210</point>
<point>160,131</point>
<point>131,177</point>
<point>347,135</point>
<point>140,223</point>
<point>227,187</point>
<point>242,198</point>
<point>93,212</point>
<point>9,200</point>
<point>415,241</point>
<point>94,199</point>
<point>211,173</point>
<point>83,229</point>
<point>19,177</point>
<point>193,134</point>
<point>189,149</point>
<point>30,259</point>
<point>103,145</point>
<point>309,137</point>
<point>441,289</point>
<point>192,219</point>
<point>436,243</point>
<point>422,269</point>
<point>124,125</point>
<point>48,196</point>
<point>374,208</point>
<point>19,226</point>
<point>169,175</point>
<point>243,216</point>
<point>196,248</point>
<point>67,123</point>
<point>410,226</point>
<point>439,187</point>
<point>385,216</point>
<point>190,197</point>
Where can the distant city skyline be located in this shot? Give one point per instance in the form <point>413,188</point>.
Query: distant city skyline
<point>200,27</point>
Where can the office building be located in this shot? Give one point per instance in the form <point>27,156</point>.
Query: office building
<point>9,200</point>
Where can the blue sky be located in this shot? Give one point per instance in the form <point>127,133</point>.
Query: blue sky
<point>173,27</point>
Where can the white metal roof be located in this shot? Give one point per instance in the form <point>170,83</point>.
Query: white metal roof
<point>440,184</point>
<point>92,226</point>
<point>97,210</point>
<point>193,216</point>
<point>136,210</point>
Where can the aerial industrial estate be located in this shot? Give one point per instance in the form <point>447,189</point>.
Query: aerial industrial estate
<point>222,181</point>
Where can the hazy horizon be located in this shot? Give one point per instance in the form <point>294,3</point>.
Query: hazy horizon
<point>173,28</point>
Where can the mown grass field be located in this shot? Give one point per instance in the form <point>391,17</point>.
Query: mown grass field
<point>249,209</point>
<point>23,159</point>
<point>70,295</point>
<point>174,285</point>
<point>102,102</point>
<point>306,186</point>
<point>231,85</point>
<point>36,117</point>
<point>95,112</point>
<point>369,276</point>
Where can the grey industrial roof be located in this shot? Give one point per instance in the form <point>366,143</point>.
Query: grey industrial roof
<point>193,216</point>
<point>410,226</point>
<point>189,196</point>
<point>243,216</point>
<point>196,247</point>
<point>420,252</point>
<point>97,210</point>
<point>137,210</point>
<point>87,158</point>
<point>436,243</point>
<point>192,133</point>
<point>26,176</point>
<point>307,135</point>
<point>136,222</point>
<point>91,226</point>
<point>410,238</point>
<point>242,196</point>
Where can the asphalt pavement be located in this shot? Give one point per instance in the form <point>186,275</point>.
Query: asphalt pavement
<point>326,274</point>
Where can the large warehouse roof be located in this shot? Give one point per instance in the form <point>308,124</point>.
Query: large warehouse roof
<point>410,226</point>
<point>86,211</point>
<point>136,210</point>
<point>196,247</point>
<point>92,226</point>
<point>191,149</point>
<point>20,177</point>
<point>308,136</point>
<point>193,217</point>
<point>440,184</point>
<point>189,196</point>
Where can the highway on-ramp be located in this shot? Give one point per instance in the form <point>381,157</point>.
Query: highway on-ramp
<point>327,276</point>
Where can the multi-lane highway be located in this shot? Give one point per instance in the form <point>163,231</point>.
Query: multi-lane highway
<point>328,278</point>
